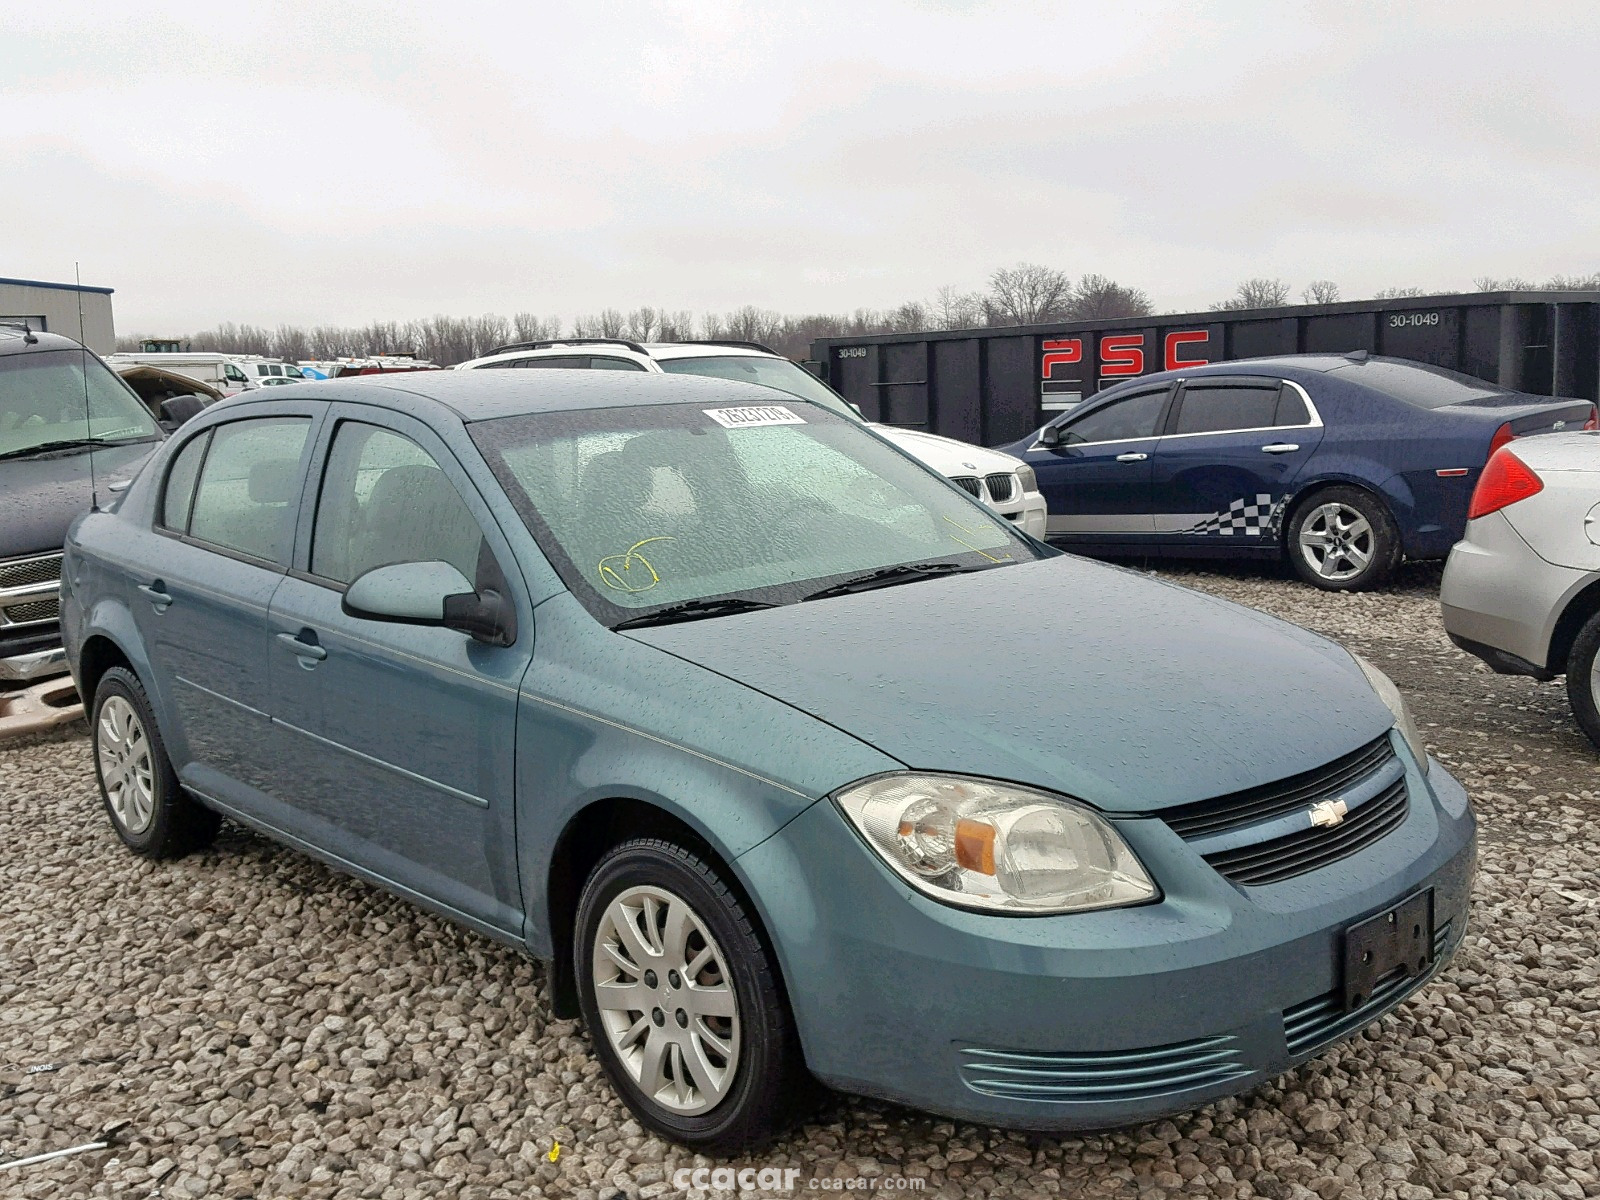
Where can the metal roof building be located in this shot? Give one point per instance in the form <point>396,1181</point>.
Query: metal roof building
<point>59,308</point>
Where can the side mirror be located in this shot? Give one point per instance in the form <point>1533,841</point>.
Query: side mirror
<point>175,410</point>
<point>431,593</point>
<point>1050,435</point>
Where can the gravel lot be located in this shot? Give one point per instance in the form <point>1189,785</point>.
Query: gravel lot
<point>262,1026</point>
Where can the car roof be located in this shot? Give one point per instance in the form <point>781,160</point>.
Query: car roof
<point>15,340</point>
<point>486,395</point>
<point>599,347</point>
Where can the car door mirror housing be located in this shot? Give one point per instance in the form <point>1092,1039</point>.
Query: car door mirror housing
<point>1050,435</point>
<point>175,410</point>
<point>432,593</point>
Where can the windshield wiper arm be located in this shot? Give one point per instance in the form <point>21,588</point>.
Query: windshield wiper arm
<point>889,576</point>
<point>693,610</point>
<point>65,444</point>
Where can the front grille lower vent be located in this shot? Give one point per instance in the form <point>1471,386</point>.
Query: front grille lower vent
<point>26,572</point>
<point>968,483</point>
<point>33,611</point>
<point>1001,487</point>
<point>1321,1020</point>
<point>1113,1075</point>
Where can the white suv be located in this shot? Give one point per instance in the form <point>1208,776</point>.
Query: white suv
<point>1004,483</point>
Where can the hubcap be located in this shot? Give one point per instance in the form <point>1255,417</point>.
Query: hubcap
<point>1337,542</point>
<point>123,752</point>
<point>654,957</point>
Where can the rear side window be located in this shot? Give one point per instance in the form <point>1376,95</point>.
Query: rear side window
<point>566,361</point>
<point>614,364</point>
<point>178,497</point>
<point>384,500</point>
<point>1291,408</point>
<point>1218,408</point>
<point>248,487</point>
<point>1121,420</point>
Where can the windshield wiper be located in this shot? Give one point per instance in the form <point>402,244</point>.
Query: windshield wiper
<point>67,444</point>
<point>889,576</point>
<point>693,610</point>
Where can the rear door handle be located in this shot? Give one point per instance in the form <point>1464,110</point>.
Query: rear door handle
<point>302,648</point>
<point>1280,448</point>
<point>1132,457</point>
<point>159,596</point>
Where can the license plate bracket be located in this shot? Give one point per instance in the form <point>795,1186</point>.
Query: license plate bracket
<point>1399,941</point>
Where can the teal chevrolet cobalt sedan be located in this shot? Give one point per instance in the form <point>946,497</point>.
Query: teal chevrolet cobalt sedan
<point>792,760</point>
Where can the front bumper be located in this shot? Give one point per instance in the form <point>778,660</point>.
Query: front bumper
<point>34,662</point>
<point>1092,1020</point>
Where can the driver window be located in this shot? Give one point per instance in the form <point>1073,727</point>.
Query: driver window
<point>384,500</point>
<point>1132,417</point>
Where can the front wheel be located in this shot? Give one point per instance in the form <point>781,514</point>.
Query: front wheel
<point>682,1001</point>
<point>1583,678</point>
<point>1343,539</point>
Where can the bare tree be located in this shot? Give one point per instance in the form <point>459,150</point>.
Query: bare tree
<point>1027,294</point>
<point>1398,293</point>
<point>954,309</point>
<point>526,327</point>
<point>1097,298</point>
<point>1256,293</point>
<point>1573,283</point>
<point>676,326</point>
<point>909,317</point>
<point>1321,291</point>
<point>643,323</point>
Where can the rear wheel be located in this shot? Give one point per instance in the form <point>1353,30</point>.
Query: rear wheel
<point>148,808</point>
<point>1583,678</point>
<point>1343,539</point>
<point>682,1001</point>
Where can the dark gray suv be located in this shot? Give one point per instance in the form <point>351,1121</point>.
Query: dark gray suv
<point>68,425</point>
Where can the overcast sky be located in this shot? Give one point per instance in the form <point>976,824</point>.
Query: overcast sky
<point>312,162</point>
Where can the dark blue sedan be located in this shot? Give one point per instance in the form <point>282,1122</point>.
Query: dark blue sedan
<point>1346,463</point>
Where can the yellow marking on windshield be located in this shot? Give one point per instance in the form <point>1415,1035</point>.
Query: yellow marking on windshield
<point>970,546</point>
<point>616,570</point>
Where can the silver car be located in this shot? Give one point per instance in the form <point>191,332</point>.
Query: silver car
<point>1522,589</point>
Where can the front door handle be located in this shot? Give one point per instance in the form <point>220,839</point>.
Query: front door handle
<point>1280,448</point>
<point>160,598</point>
<point>302,648</point>
<point>1132,457</point>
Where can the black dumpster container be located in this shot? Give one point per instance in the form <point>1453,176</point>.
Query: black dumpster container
<point>992,386</point>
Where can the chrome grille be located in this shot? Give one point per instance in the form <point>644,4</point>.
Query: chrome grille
<point>25,572</point>
<point>1001,487</point>
<point>1103,1076</point>
<point>34,610</point>
<point>1322,1019</point>
<point>968,483</point>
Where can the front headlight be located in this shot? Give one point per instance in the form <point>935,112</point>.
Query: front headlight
<point>988,845</point>
<point>1027,477</point>
<point>1390,695</point>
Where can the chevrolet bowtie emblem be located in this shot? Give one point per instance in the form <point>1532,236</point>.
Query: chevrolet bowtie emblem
<point>1327,813</point>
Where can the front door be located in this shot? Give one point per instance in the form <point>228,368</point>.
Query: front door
<point>403,735</point>
<point>1223,471</point>
<point>1096,480</point>
<point>219,550</point>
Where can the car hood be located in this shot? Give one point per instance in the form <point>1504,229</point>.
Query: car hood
<point>41,496</point>
<point>1086,679</point>
<point>946,455</point>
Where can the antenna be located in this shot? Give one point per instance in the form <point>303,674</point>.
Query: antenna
<point>88,421</point>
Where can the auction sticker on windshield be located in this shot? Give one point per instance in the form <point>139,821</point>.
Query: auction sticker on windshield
<point>760,414</point>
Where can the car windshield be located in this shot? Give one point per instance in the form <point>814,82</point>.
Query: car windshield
<point>777,373</point>
<point>645,507</point>
<point>1422,385</point>
<point>52,396</point>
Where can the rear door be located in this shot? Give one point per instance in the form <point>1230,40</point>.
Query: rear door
<point>225,524</point>
<point>1232,448</point>
<point>1097,480</point>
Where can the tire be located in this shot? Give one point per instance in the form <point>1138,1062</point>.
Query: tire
<point>1343,539</point>
<point>150,811</point>
<point>1583,678</point>
<point>635,898</point>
